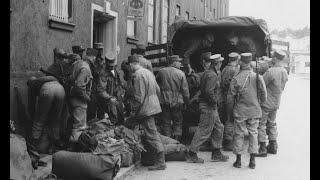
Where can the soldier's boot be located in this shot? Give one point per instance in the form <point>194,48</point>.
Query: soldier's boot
<point>217,156</point>
<point>272,147</point>
<point>227,145</point>
<point>160,162</point>
<point>237,163</point>
<point>262,150</point>
<point>193,158</point>
<point>252,163</point>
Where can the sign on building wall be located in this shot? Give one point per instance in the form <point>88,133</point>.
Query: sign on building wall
<point>136,9</point>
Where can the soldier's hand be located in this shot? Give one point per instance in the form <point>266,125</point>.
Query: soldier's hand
<point>114,101</point>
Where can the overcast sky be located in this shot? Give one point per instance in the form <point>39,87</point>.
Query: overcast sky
<point>279,14</point>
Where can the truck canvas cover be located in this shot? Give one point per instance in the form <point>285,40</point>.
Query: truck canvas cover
<point>183,29</point>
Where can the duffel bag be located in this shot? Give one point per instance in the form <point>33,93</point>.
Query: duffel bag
<point>84,166</point>
<point>20,162</point>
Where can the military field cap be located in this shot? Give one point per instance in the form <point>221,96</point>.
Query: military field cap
<point>77,49</point>
<point>174,58</point>
<point>74,57</point>
<point>141,46</point>
<point>266,58</point>
<point>233,56</point>
<point>59,51</point>
<point>279,54</point>
<point>206,56</point>
<point>215,58</point>
<point>98,46</point>
<point>110,58</point>
<point>133,58</point>
<point>91,52</point>
<point>246,57</point>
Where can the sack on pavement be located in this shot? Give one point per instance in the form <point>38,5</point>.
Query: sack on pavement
<point>20,162</point>
<point>85,166</point>
<point>174,151</point>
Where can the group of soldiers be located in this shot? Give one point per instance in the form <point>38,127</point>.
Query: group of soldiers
<point>81,86</point>
<point>249,104</point>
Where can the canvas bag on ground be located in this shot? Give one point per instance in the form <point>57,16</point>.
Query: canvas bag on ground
<point>84,166</point>
<point>20,162</point>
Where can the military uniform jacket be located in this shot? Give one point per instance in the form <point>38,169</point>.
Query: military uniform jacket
<point>81,76</point>
<point>145,101</point>
<point>109,84</point>
<point>145,63</point>
<point>173,85</point>
<point>96,70</point>
<point>209,85</point>
<point>226,76</point>
<point>248,105</point>
<point>275,79</point>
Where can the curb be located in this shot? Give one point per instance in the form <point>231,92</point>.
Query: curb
<point>125,171</point>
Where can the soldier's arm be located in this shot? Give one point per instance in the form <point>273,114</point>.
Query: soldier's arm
<point>139,88</point>
<point>82,80</point>
<point>185,89</point>
<point>267,77</point>
<point>210,86</point>
<point>263,90</point>
<point>102,88</point>
<point>31,102</point>
<point>191,49</point>
<point>149,66</point>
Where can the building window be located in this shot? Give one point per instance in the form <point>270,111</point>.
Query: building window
<point>165,20</point>
<point>194,18</point>
<point>151,21</point>
<point>60,10</point>
<point>131,27</point>
<point>187,15</point>
<point>214,12</point>
<point>178,10</point>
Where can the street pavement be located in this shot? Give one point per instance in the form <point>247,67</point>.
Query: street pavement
<point>293,158</point>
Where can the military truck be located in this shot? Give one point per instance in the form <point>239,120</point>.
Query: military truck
<point>182,29</point>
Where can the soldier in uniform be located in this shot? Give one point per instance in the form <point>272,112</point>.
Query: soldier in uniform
<point>145,105</point>
<point>209,117</point>
<point>174,93</point>
<point>95,106</point>
<point>78,50</point>
<point>140,51</point>
<point>275,79</point>
<point>47,116</point>
<point>192,45</point>
<point>243,94</point>
<point>99,48</point>
<point>81,80</point>
<point>206,60</point>
<point>110,89</point>
<point>226,76</point>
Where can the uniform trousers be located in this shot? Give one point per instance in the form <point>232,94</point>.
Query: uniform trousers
<point>240,126</point>
<point>267,126</point>
<point>49,109</point>
<point>209,119</point>
<point>174,115</point>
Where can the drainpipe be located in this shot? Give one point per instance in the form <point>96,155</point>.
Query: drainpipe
<point>205,14</point>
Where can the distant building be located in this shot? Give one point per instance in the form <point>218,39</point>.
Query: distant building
<point>37,27</point>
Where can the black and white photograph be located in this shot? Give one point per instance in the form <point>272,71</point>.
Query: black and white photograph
<point>159,89</point>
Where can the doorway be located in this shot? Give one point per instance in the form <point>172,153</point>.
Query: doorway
<point>104,28</point>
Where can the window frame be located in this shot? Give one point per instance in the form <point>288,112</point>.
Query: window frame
<point>57,22</point>
<point>178,7</point>
<point>153,21</point>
